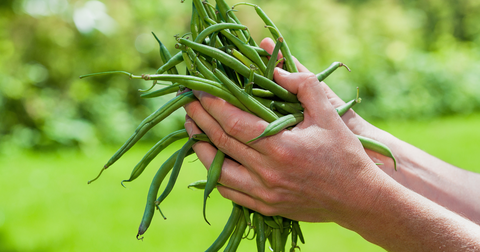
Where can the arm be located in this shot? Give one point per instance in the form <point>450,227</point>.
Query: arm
<point>425,174</point>
<point>431,177</point>
<point>318,171</point>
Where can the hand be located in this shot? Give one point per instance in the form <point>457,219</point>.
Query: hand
<point>353,121</point>
<point>315,172</point>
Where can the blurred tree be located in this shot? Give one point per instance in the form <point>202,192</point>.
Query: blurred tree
<point>411,59</point>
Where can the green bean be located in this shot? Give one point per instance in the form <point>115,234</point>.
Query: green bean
<point>175,60</point>
<point>279,221</point>
<point>270,222</point>
<point>217,27</point>
<point>200,184</point>
<point>289,62</point>
<point>245,60</point>
<point>296,226</point>
<point>246,50</point>
<point>160,92</point>
<point>194,22</point>
<point>260,51</point>
<point>189,63</point>
<point>262,93</point>
<point>209,7</point>
<point>253,105</point>
<point>280,124</point>
<point>212,179</point>
<point>286,231</point>
<point>201,67</point>
<point>201,137</point>
<point>246,215</point>
<point>165,55</point>
<point>211,87</point>
<point>377,147</point>
<point>227,230</point>
<point>153,152</point>
<point>236,236</point>
<point>272,63</point>
<point>175,170</point>
<point>294,106</point>
<point>260,228</point>
<point>147,124</point>
<point>203,13</point>
<point>277,240</point>
<point>341,110</point>
<point>294,240</point>
<point>225,12</point>
<point>241,69</point>
<point>152,193</point>
<point>325,73</point>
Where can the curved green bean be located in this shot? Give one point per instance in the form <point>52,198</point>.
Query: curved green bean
<point>273,59</point>
<point>289,62</point>
<point>200,184</point>
<point>236,236</point>
<point>211,87</point>
<point>227,230</point>
<point>147,124</point>
<point>182,153</point>
<point>245,49</point>
<point>248,101</point>
<point>217,27</point>
<point>377,147</point>
<point>325,73</point>
<point>165,55</point>
<point>280,124</point>
<point>161,92</point>
<point>152,193</point>
<point>296,226</point>
<point>341,110</point>
<point>212,179</point>
<point>241,69</point>
<point>153,152</point>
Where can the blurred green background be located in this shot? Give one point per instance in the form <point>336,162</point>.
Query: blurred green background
<point>417,64</point>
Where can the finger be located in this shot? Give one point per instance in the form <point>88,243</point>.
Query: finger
<point>226,143</point>
<point>236,123</point>
<point>301,68</point>
<point>317,108</point>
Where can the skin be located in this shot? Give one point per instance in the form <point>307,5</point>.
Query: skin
<point>319,172</point>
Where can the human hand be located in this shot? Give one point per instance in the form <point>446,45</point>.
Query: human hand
<point>318,171</point>
<point>354,122</point>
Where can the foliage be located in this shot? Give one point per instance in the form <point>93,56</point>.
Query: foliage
<point>411,59</point>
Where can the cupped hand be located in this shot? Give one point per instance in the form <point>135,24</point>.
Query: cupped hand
<point>318,171</point>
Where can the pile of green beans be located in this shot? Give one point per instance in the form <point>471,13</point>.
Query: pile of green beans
<point>222,59</point>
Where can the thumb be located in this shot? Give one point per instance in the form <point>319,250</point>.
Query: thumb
<point>310,93</point>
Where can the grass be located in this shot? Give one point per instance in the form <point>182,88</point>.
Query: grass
<point>46,204</point>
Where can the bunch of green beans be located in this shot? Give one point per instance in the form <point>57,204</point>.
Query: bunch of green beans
<point>222,59</point>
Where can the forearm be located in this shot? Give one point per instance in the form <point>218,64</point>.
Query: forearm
<point>429,176</point>
<point>410,222</point>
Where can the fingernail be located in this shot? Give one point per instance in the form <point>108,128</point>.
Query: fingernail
<point>188,126</point>
<point>281,71</point>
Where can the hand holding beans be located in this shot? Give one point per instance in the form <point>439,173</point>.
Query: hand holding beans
<point>319,171</point>
<point>272,176</point>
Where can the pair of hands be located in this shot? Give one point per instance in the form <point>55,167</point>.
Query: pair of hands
<point>318,171</point>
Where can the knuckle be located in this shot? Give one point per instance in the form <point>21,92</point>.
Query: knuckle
<point>219,138</point>
<point>233,125</point>
<point>309,79</point>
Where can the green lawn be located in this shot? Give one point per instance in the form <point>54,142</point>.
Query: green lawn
<point>46,204</point>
